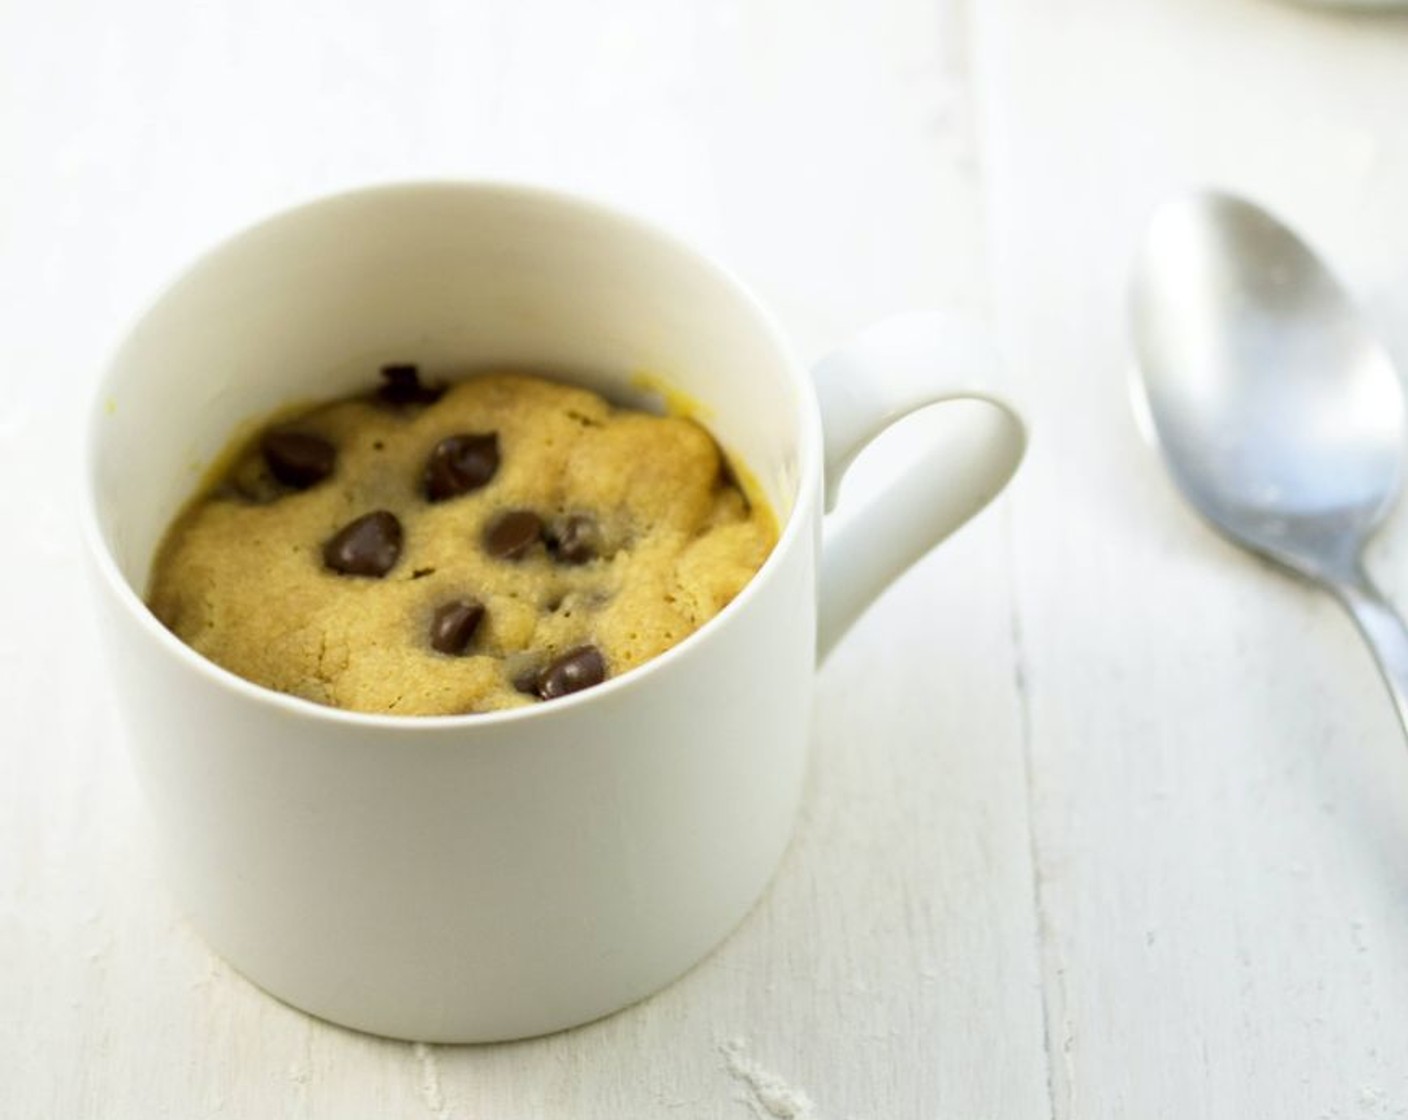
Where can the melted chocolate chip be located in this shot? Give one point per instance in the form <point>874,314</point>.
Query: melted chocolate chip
<point>403,386</point>
<point>369,546</point>
<point>454,625</point>
<point>297,459</point>
<point>510,536</point>
<point>574,539</point>
<point>460,464</point>
<point>573,671</point>
<point>527,682</point>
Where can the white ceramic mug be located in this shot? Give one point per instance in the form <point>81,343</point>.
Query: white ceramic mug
<point>483,877</point>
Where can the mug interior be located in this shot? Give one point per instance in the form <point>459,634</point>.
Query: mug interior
<point>458,278</point>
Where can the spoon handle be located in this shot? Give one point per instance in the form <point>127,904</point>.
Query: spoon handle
<point>1383,629</point>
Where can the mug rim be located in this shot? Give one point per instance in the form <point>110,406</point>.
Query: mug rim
<point>798,520</point>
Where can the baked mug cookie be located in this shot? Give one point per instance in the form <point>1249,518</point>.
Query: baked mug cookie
<point>436,550</point>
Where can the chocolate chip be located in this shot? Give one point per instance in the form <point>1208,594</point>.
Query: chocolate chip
<point>573,671</point>
<point>460,464</point>
<point>421,573</point>
<point>574,539</point>
<point>403,386</point>
<point>369,546</point>
<point>454,625</point>
<point>527,682</point>
<point>297,459</point>
<point>510,536</point>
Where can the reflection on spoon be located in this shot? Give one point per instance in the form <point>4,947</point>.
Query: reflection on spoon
<point>1278,414</point>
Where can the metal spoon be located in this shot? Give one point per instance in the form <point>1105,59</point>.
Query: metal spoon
<point>1278,414</point>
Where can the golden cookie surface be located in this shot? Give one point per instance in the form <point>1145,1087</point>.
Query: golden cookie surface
<point>352,579</point>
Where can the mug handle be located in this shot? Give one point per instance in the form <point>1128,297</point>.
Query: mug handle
<point>896,368</point>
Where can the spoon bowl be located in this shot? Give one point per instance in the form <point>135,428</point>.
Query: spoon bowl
<point>1278,413</point>
<point>1276,410</point>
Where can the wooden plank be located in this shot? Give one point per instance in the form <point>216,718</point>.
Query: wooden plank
<point>1219,789</point>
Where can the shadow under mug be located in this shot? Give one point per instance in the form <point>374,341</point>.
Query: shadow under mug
<point>484,877</point>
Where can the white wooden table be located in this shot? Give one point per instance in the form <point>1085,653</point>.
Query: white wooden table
<point>1104,818</point>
